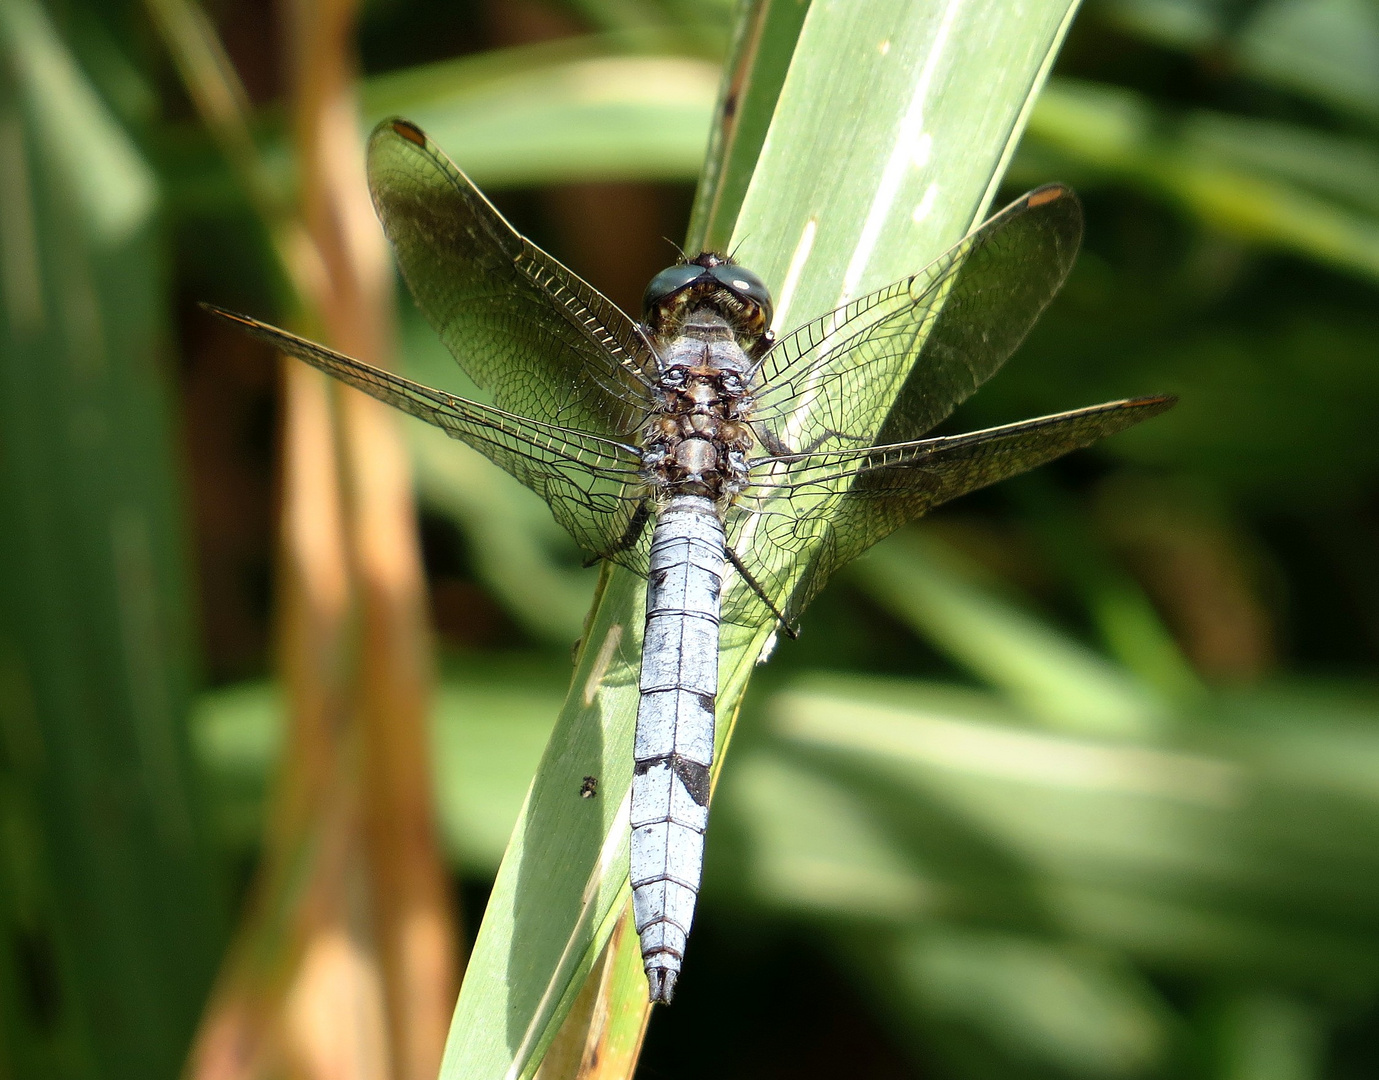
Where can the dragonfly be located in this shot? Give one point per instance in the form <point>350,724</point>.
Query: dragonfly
<point>734,468</point>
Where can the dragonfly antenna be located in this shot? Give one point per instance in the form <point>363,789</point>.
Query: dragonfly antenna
<point>678,249</point>
<point>732,255</point>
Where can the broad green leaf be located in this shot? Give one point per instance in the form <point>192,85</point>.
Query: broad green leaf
<point>1326,50</point>
<point>591,117</point>
<point>1264,1034</point>
<point>879,103</point>
<point>1061,682</point>
<point>1245,846</point>
<point>1267,183</point>
<point>685,16</point>
<point>993,1004</point>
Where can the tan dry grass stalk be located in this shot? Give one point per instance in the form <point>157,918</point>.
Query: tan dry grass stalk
<point>346,964</point>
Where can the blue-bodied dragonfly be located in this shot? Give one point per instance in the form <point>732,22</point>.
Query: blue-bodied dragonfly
<point>735,469</point>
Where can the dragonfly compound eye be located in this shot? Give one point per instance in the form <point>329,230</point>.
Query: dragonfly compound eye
<point>744,283</point>
<point>667,283</point>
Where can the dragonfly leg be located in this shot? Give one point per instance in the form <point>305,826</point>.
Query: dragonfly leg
<point>791,632</point>
<point>768,439</point>
<point>628,539</point>
<point>645,337</point>
<point>773,443</point>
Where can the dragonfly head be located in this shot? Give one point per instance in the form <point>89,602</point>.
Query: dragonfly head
<point>714,282</point>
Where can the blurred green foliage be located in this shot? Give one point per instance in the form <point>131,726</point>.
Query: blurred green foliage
<point>110,919</point>
<point>1080,779</point>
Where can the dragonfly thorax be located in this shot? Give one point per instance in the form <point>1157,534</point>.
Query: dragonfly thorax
<point>696,442</point>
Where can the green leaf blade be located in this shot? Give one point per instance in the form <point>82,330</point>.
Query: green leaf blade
<point>841,165</point>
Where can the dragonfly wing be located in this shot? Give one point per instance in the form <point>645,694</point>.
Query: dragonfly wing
<point>809,514</point>
<point>936,336</point>
<point>545,343</point>
<point>593,485</point>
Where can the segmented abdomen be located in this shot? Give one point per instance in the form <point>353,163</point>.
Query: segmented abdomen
<point>675,729</point>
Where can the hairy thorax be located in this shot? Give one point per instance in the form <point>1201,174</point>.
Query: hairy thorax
<point>697,441</point>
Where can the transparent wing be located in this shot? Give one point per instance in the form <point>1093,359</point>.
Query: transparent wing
<point>593,485</point>
<point>808,514</point>
<point>547,345</point>
<point>938,335</point>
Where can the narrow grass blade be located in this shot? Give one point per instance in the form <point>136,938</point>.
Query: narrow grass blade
<point>763,45</point>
